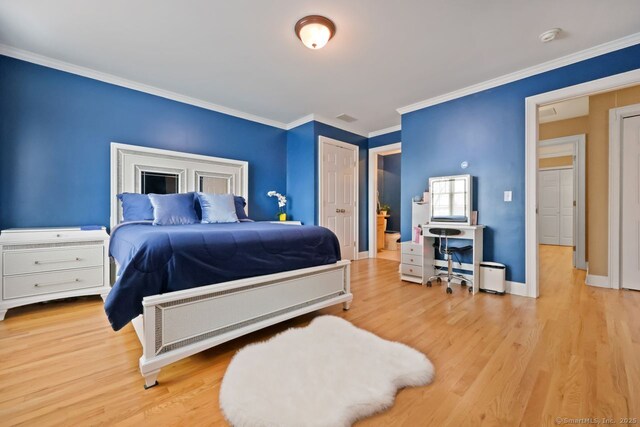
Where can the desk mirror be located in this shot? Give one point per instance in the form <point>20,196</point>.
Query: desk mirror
<point>451,198</point>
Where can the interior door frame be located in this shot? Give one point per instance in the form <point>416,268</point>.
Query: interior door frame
<point>388,149</point>
<point>532,103</point>
<point>322,141</point>
<point>616,116</point>
<point>579,154</point>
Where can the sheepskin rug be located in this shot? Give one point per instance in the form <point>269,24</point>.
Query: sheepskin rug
<point>329,373</point>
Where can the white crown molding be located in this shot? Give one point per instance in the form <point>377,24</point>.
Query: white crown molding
<point>592,52</point>
<point>299,122</point>
<point>336,123</point>
<point>385,131</point>
<point>130,84</point>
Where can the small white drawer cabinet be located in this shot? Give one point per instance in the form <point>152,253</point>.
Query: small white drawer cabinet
<point>412,262</point>
<point>42,264</point>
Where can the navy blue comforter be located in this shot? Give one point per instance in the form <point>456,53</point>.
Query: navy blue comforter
<point>158,259</point>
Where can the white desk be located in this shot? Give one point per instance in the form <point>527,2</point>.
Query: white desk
<point>469,232</point>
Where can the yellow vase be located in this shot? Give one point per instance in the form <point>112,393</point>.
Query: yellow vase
<point>282,217</point>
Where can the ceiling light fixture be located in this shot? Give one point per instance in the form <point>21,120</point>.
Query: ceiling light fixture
<point>549,35</point>
<point>315,31</point>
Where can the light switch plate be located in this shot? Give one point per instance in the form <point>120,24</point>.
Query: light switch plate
<point>508,196</point>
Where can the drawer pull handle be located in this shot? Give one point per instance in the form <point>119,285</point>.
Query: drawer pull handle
<point>39,285</point>
<point>56,261</point>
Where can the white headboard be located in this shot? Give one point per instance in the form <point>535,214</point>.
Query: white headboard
<point>128,162</point>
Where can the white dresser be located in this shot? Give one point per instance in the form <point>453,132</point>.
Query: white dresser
<point>41,264</point>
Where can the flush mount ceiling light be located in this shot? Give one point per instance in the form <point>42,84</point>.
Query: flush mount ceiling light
<point>315,31</point>
<point>549,35</point>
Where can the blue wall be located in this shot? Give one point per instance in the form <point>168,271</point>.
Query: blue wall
<point>389,187</point>
<point>487,129</point>
<point>302,172</point>
<point>56,129</point>
<point>385,139</point>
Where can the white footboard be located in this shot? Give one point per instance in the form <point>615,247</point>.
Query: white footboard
<point>179,324</point>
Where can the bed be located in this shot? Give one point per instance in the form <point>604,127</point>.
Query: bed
<point>187,288</point>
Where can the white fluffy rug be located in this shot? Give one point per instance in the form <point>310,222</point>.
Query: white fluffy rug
<point>330,373</point>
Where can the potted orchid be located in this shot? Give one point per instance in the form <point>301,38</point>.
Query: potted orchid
<point>282,202</point>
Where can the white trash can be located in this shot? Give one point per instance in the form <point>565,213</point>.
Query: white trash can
<point>492,277</point>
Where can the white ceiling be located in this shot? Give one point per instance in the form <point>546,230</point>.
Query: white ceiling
<point>243,54</point>
<point>569,109</point>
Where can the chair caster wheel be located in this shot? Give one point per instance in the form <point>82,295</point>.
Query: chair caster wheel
<point>470,290</point>
<point>429,284</point>
<point>463,283</point>
<point>449,290</point>
<point>439,280</point>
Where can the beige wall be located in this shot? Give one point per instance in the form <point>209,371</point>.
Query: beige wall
<point>598,173</point>
<point>568,127</point>
<point>554,162</point>
<point>596,127</point>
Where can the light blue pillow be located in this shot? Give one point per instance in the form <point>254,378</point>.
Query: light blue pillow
<point>217,208</point>
<point>173,209</point>
<point>135,207</point>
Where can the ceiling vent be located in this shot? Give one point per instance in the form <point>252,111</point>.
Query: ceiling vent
<point>346,118</point>
<point>548,112</point>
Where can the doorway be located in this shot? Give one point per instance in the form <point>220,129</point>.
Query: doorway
<point>384,202</point>
<point>338,192</point>
<point>562,186</point>
<point>607,97</point>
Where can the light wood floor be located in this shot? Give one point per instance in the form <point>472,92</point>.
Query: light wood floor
<point>390,255</point>
<point>500,360</point>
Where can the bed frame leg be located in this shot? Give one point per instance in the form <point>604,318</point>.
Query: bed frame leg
<point>2,314</point>
<point>151,379</point>
<point>346,305</point>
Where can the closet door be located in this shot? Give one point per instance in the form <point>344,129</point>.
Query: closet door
<point>556,207</point>
<point>630,196</point>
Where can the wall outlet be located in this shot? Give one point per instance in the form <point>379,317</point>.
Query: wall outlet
<point>508,196</point>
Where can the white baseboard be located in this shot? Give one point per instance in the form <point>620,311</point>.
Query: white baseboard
<point>516,288</point>
<point>598,281</point>
<point>363,255</point>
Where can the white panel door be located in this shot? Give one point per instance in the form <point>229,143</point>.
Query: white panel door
<point>630,198</point>
<point>566,207</point>
<point>339,182</point>
<point>556,207</point>
<point>549,199</point>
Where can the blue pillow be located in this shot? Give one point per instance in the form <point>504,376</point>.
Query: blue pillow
<point>173,209</point>
<point>135,207</point>
<point>217,208</point>
<point>240,204</point>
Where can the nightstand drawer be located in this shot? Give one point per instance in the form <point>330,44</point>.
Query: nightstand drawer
<point>54,259</point>
<point>412,259</point>
<point>411,248</point>
<point>411,270</point>
<point>45,283</point>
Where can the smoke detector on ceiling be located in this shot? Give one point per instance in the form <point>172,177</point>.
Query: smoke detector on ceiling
<point>346,118</point>
<point>549,35</point>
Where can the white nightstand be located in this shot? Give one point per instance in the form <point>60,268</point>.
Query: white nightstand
<point>42,264</point>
